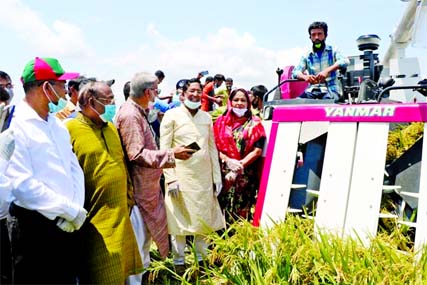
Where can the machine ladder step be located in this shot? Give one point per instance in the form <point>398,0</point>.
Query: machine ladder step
<point>388,216</point>
<point>312,192</point>
<point>298,186</point>
<point>390,188</point>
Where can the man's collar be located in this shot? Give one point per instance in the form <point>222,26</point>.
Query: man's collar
<point>86,120</point>
<point>26,112</point>
<point>139,107</point>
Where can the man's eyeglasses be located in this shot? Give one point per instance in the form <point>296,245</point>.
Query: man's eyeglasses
<point>7,85</point>
<point>107,101</point>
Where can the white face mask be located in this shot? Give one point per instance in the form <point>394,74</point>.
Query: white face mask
<point>239,112</point>
<point>192,105</point>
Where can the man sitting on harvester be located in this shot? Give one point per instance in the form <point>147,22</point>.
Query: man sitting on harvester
<point>321,63</point>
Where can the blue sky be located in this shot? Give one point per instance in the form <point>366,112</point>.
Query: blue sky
<point>246,40</point>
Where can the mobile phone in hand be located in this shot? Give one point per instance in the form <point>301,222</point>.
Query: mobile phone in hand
<point>194,146</point>
<point>205,72</point>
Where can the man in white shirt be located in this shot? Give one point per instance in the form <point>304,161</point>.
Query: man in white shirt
<point>48,183</point>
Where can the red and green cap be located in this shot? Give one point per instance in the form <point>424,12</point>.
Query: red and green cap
<point>45,69</point>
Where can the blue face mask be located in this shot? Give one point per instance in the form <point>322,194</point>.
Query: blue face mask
<point>109,112</point>
<point>175,100</point>
<point>58,106</point>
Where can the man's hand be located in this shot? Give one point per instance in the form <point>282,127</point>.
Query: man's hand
<point>218,100</point>
<point>183,153</point>
<point>215,99</point>
<point>321,76</point>
<point>220,95</point>
<point>79,219</point>
<point>173,189</point>
<point>65,225</point>
<point>312,79</point>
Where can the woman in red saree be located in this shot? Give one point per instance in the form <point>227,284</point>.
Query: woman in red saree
<point>240,138</point>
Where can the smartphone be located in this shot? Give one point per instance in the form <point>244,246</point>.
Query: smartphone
<point>205,72</point>
<point>194,146</point>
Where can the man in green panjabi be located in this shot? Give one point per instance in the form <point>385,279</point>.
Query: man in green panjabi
<point>108,248</point>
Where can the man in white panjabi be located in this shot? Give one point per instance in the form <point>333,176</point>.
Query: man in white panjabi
<point>193,185</point>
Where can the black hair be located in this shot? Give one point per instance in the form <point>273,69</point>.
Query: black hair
<point>160,74</point>
<point>79,82</point>
<point>126,90</point>
<point>219,77</point>
<point>259,91</point>
<point>89,90</point>
<point>209,79</point>
<point>318,25</point>
<point>32,84</point>
<point>36,83</point>
<point>229,79</point>
<point>188,82</point>
<point>74,83</point>
<point>4,95</point>
<point>4,75</point>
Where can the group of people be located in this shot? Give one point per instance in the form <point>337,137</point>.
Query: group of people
<point>85,188</point>
<point>84,199</point>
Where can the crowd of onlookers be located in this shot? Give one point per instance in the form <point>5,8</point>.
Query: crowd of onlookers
<point>87,187</point>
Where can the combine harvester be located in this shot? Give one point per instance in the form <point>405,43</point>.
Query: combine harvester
<point>327,160</point>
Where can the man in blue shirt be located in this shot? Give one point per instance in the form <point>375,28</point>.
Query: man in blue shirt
<point>321,63</point>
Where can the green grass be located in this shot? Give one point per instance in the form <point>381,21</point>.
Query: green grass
<point>288,253</point>
<point>402,138</point>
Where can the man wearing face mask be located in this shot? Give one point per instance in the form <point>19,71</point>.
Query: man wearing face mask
<point>321,62</point>
<point>48,183</point>
<point>178,96</point>
<point>74,85</point>
<point>6,110</point>
<point>145,163</point>
<point>109,192</point>
<point>194,184</point>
